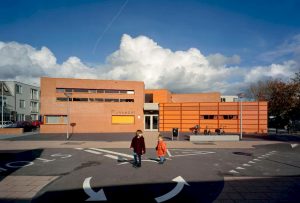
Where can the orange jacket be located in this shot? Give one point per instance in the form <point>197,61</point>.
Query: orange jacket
<point>161,148</point>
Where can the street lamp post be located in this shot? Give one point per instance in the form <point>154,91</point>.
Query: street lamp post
<point>68,95</point>
<point>241,95</point>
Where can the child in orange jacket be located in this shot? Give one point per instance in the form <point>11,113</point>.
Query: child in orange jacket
<point>161,149</point>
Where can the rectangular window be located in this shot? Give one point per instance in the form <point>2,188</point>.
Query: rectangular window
<point>81,90</point>
<point>111,100</point>
<point>112,91</point>
<point>130,91</point>
<point>60,90</point>
<point>229,117</point>
<point>223,99</point>
<point>63,99</point>
<point>100,91</point>
<point>34,94</point>
<point>80,99</point>
<point>99,100</point>
<point>209,116</point>
<point>34,106</point>
<point>148,98</point>
<point>91,99</point>
<point>126,100</point>
<point>56,119</point>
<point>19,89</point>
<point>68,90</point>
<point>22,104</point>
<point>92,91</point>
<point>125,120</point>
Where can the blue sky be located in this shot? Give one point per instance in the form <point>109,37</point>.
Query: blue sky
<point>236,42</point>
<point>246,28</point>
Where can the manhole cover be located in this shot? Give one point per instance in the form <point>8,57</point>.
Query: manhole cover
<point>73,143</point>
<point>243,153</point>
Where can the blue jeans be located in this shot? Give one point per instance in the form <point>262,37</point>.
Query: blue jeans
<point>161,159</point>
<point>137,158</point>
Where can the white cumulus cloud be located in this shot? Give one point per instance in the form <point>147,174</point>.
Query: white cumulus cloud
<point>142,59</point>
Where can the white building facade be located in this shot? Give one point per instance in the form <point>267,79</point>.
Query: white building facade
<point>20,101</point>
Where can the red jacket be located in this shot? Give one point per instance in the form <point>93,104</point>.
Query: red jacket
<point>138,145</point>
<point>161,148</point>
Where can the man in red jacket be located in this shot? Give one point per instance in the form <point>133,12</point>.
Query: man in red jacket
<point>139,148</point>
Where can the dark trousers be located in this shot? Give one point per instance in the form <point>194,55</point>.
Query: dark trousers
<point>137,158</point>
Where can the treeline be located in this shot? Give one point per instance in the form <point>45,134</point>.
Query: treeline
<point>283,100</point>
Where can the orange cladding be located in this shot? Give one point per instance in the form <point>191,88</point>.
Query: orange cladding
<point>212,115</point>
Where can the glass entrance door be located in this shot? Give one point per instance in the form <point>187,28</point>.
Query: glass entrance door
<point>151,122</point>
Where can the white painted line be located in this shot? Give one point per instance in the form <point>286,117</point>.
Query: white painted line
<point>112,152</point>
<point>239,168</point>
<point>294,145</point>
<point>79,148</point>
<point>233,171</point>
<point>260,157</point>
<point>185,155</point>
<point>111,156</point>
<point>91,151</point>
<point>251,162</point>
<point>256,160</point>
<point>169,154</point>
<point>246,165</point>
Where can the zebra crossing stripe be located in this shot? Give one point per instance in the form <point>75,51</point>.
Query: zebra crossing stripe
<point>91,151</point>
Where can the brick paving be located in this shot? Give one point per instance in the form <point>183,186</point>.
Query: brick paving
<point>259,189</point>
<point>23,187</point>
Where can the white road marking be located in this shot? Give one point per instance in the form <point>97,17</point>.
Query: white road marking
<point>246,165</point>
<point>256,160</point>
<point>112,152</point>
<point>251,162</point>
<point>169,154</point>
<point>260,157</point>
<point>185,155</point>
<point>79,148</point>
<point>91,151</point>
<point>111,156</point>
<point>233,171</point>
<point>239,168</point>
<point>93,196</point>
<point>294,145</point>
<point>180,184</point>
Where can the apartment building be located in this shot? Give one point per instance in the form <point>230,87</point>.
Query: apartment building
<point>20,101</point>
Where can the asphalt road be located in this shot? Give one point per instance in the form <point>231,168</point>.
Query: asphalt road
<point>189,175</point>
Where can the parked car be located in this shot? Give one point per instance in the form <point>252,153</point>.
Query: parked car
<point>36,123</point>
<point>22,124</point>
<point>6,124</point>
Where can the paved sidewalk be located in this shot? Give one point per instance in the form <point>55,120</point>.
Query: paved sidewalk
<point>260,189</point>
<point>23,187</point>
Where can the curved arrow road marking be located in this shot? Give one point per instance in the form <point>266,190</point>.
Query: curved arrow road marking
<point>180,184</point>
<point>93,196</point>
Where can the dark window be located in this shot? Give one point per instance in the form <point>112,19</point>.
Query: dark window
<point>123,91</point>
<point>81,90</point>
<point>61,99</point>
<point>112,91</point>
<point>91,99</point>
<point>209,116</point>
<point>100,91</point>
<point>92,91</point>
<point>229,117</point>
<point>111,100</point>
<point>60,90</point>
<point>80,99</point>
<point>69,90</point>
<point>126,100</point>
<point>148,98</point>
<point>223,99</point>
<point>99,99</point>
